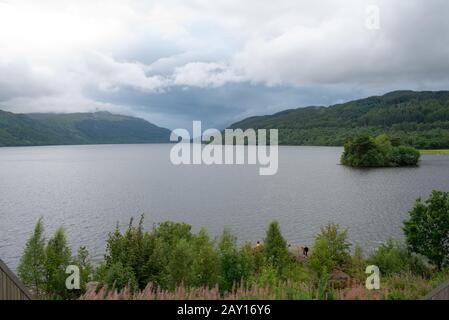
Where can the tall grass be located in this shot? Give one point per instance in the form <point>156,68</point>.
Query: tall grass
<point>284,290</point>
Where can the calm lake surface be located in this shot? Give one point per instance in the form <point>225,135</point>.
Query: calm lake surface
<point>88,189</point>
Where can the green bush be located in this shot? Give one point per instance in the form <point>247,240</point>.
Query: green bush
<point>405,156</point>
<point>362,152</point>
<point>119,276</point>
<point>393,257</point>
<point>427,230</point>
<point>330,250</point>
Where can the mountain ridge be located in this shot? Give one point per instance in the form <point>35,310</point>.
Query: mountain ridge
<point>31,129</point>
<point>416,118</point>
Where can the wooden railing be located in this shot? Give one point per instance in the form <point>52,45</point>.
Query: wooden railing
<point>440,293</point>
<point>11,288</point>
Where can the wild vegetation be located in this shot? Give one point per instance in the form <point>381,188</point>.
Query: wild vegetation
<point>435,151</point>
<point>172,262</point>
<point>381,151</point>
<point>416,119</point>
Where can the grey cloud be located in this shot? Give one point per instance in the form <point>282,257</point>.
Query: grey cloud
<point>220,106</point>
<point>223,60</point>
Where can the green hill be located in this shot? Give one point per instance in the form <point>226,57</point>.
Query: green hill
<point>418,119</point>
<point>76,128</point>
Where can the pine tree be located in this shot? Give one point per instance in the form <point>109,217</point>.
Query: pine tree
<point>58,257</point>
<point>32,264</point>
<point>275,247</point>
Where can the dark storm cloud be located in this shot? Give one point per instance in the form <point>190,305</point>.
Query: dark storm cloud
<point>218,107</point>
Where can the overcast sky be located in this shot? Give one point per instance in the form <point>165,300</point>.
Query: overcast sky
<point>172,61</point>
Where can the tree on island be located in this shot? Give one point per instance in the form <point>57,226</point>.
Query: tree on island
<point>366,151</point>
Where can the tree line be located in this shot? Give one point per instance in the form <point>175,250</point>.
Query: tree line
<point>417,119</point>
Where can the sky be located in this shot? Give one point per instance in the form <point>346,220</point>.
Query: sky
<point>172,61</point>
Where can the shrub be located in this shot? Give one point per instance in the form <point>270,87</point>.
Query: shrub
<point>119,276</point>
<point>405,156</point>
<point>362,152</point>
<point>393,257</point>
<point>331,249</point>
<point>405,287</point>
<point>358,264</point>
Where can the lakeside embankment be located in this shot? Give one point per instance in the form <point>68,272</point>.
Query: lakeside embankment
<point>432,152</point>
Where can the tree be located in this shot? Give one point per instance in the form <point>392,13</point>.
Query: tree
<point>427,230</point>
<point>58,257</point>
<point>274,246</point>
<point>180,264</point>
<point>365,151</point>
<point>405,156</point>
<point>229,261</point>
<point>247,262</point>
<point>384,145</point>
<point>206,263</point>
<point>362,152</point>
<point>331,249</point>
<point>32,264</point>
<point>83,262</point>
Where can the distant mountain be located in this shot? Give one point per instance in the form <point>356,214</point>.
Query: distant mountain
<point>419,119</point>
<point>76,128</point>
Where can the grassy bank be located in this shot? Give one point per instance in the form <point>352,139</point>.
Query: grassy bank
<point>438,151</point>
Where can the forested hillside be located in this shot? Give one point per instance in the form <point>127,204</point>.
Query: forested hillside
<point>76,128</point>
<point>419,119</point>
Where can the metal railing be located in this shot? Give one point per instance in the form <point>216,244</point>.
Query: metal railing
<point>440,293</point>
<point>11,288</point>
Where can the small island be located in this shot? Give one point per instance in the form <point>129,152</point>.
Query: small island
<point>381,151</point>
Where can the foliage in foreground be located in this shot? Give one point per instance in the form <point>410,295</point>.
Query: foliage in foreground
<point>43,264</point>
<point>427,230</point>
<point>172,262</point>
